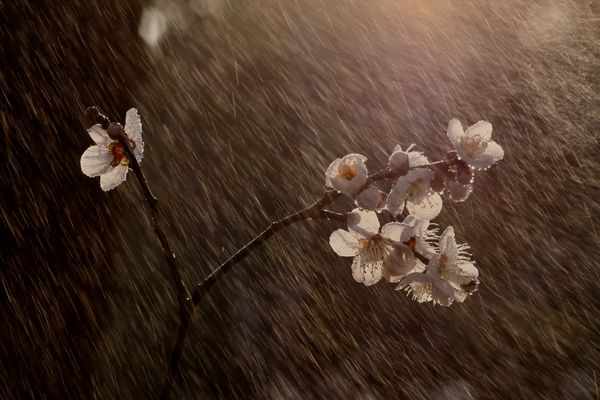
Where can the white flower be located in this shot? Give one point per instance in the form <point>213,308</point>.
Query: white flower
<point>366,244</point>
<point>107,157</point>
<point>415,186</point>
<point>370,199</point>
<point>348,174</point>
<point>475,145</point>
<point>450,275</point>
<point>402,160</point>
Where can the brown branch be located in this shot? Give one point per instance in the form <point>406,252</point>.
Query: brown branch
<point>183,296</point>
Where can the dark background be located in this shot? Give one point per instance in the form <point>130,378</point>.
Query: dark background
<point>244,104</point>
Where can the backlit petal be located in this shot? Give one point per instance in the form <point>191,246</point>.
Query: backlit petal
<point>455,131</point>
<point>98,135</point>
<point>344,243</point>
<point>363,224</point>
<point>95,161</point>
<point>427,209</point>
<point>113,178</point>
<point>133,129</point>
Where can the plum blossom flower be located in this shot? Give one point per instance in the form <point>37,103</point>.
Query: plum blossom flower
<point>348,174</point>
<point>414,187</point>
<point>402,160</point>
<point>415,237</point>
<point>451,275</point>
<point>475,145</point>
<point>107,157</point>
<point>367,244</point>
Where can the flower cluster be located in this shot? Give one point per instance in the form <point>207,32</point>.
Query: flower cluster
<point>429,266</point>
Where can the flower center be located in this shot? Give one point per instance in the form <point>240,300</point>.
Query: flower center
<point>348,171</point>
<point>118,152</point>
<point>443,260</point>
<point>412,243</point>
<point>375,248</point>
<point>473,145</point>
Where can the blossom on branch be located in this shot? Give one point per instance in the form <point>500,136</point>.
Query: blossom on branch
<point>367,244</point>
<point>413,187</point>
<point>450,276</point>
<point>107,158</point>
<point>475,145</point>
<point>348,174</point>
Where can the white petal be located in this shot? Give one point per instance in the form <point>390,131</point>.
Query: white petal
<point>399,263</point>
<point>344,243</point>
<point>332,171</point>
<point>424,248</point>
<point>427,209</point>
<point>355,158</point>
<point>455,131</point>
<point>417,158</point>
<point>418,285</point>
<point>396,232</point>
<point>369,199</point>
<point>481,129</point>
<point>396,199</point>
<point>448,244</point>
<point>113,178</point>
<point>443,293</point>
<point>133,129</point>
<point>363,224</point>
<point>367,273</point>
<point>493,152</point>
<point>95,160</point>
<point>458,192</point>
<point>461,273</point>
<point>98,135</point>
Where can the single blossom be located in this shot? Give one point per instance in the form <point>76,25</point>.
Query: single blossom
<point>450,276</point>
<point>348,174</point>
<point>367,244</point>
<point>107,157</point>
<point>475,145</point>
<point>413,187</point>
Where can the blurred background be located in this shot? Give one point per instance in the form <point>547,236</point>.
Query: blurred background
<point>244,105</point>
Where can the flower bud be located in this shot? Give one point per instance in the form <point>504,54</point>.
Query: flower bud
<point>115,130</point>
<point>91,115</point>
<point>464,172</point>
<point>452,155</point>
<point>439,178</point>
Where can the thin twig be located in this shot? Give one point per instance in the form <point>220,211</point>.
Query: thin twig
<point>183,296</point>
